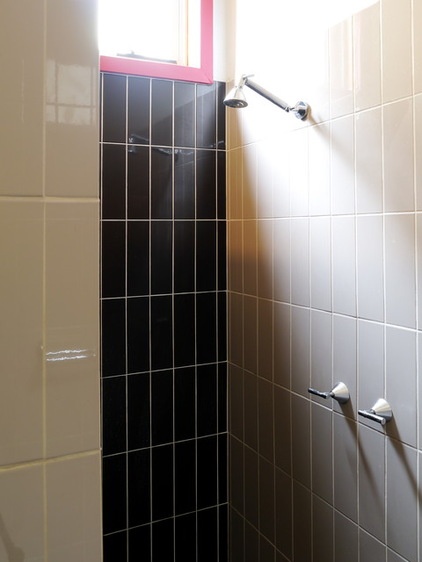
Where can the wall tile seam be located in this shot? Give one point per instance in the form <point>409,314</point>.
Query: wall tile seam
<point>178,516</point>
<point>331,312</point>
<point>49,461</point>
<point>46,199</point>
<point>166,444</point>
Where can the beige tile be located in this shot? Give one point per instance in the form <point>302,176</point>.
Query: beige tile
<point>22,515</point>
<point>72,317</point>
<point>367,57</point>
<point>300,262</point>
<point>368,143</point>
<point>249,181</point>
<point>398,157</point>
<point>71,111</point>
<point>344,265</point>
<point>250,257</point>
<point>299,181</point>
<point>319,170</point>
<point>396,49</point>
<point>21,331</point>
<point>265,339</point>
<point>266,160</point>
<point>400,286</point>
<point>21,138</point>
<point>282,344</point>
<point>74,510</point>
<point>342,166</point>
<point>235,258</point>
<point>235,191</point>
<point>341,69</point>
<point>265,258</point>
<point>418,150</point>
<point>417,44</point>
<point>282,260</point>
<point>250,333</point>
<point>320,262</point>
<point>236,329</point>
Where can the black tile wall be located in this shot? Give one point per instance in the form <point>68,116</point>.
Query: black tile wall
<point>164,388</point>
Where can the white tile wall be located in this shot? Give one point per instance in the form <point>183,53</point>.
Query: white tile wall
<point>346,268</point>
<point>49,433</point>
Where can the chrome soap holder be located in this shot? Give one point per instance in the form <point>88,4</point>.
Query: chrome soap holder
<point>340,393</point>
<point>380,412</point>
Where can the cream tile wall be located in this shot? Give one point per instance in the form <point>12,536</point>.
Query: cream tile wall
<point>325,282</point>
<point>49,430</point>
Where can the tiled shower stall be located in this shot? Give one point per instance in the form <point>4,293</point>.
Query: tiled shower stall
<point>164,320</point>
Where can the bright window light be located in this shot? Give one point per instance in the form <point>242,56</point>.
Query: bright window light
<point>155,30</point>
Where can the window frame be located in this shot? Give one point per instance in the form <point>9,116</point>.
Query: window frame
<point>203,74</point>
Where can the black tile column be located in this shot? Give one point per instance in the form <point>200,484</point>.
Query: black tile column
<point>164,389</point>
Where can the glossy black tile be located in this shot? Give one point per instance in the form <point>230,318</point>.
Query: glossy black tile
<point>222,326</point>
<point>206,329</point>
<point>206,190</point>
<point>139,487</point>
<point>221,116</point>
<point>223,546</point>
<point>221,185</point>
<point>184,330</point>
<point>185,477</point>
<point>163,541</point>
<point>161,257</point>
<point>184,256</point>
<point>184,114</point>
<point>206,129</point>
<point>208,535</point>
<point>162,113</point>
<point>184,184</point>
<point>114,419</point>
<point>137,258</point>
<point>206,472</point>
<point>222,468</point>
<point>138,182</point>
<point>113,250</point>
<point>114,108</point>
<point>114,493</point>
<point>222,397</point>
<point>161,183</point>
<point>138,109</point>
<point>162,482</point>
<point>206,400</point>
<point>162,407</point>
<point>138,334</point>
<point>113,194</point>
<point>113,337</point>
<point>115,547</point>
<point>206,255</point>
<point>222,255</point>
<point>138,411</point>
<point>184,403</point>
<point>161,333</point>
<point>139,544</point>
<point>185,539</point>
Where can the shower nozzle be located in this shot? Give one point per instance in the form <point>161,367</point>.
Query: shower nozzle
<point>237,99</point>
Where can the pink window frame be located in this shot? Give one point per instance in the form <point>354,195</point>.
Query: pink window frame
<point>203,74</point>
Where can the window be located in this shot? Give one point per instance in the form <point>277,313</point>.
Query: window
<point>159,38</point>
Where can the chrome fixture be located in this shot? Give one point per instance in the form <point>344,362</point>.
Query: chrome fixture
<point>236,98</point>
<point>380,412</point>
<point>340,393</point>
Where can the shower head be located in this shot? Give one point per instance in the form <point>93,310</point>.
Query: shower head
<point>237,99</point>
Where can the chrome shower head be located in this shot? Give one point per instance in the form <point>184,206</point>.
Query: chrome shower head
<point>236,98</point>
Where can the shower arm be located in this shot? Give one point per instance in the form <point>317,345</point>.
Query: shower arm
<point>300,110</point>
<point>266,94</point>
